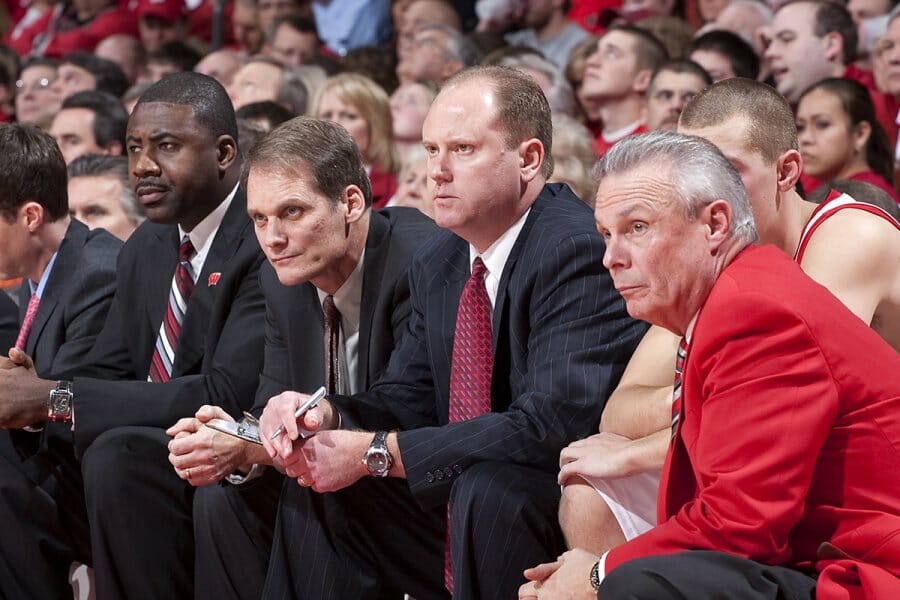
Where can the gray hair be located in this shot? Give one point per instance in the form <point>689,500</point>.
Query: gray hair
<point>115,167</point>
<point>699,172</point>
<point>895,12</point>
<point>560,95</point>
<point>458,46</point>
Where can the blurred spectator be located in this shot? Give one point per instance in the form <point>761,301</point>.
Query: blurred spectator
<point>160,22</point>
<point>616,78</point>
<point>437,53</point>
<point>361,106</point>
<point>73,25</point>
<point>574,158</point>
<point>264,79</point>
<point>347,24</point>
<point>723,55</point>
<point>409,104</point>
<point>127,52</point>
<point>90,122</point>
<point>374,63</point>
<point>221,65</point>
<point>37,100</point>
<point>132,94</point>
<point>547,29</point>
<point>291,40</point>
<point>674,84</point>
<point>587,109</point>
<point>673,32</point>
<point>746,18</point>
<point>418,13</point>
<point>412,188</point>
<point>249,133</point>
<point>81,71</point>
<point>551,80</point>
<point>245,27</point>
<point>268,10</point>
<point>100,194</point>
<point>171,57</point>
<point>840,138</point>
<point>268,115</point>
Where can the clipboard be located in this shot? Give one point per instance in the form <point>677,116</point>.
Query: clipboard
<point>244,429</point>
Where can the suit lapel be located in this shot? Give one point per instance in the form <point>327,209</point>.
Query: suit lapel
<point>75,237</point>
<point>192,340</point>
<point>377,245</point>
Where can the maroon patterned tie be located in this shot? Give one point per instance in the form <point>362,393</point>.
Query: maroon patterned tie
<point>332,348</point>
<point>470,370</point>
<point>676,390</point>
<point>27,322</point>
<point>179,294</point>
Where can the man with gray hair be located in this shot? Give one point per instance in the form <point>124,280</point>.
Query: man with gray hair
<point>777,505</point>
<point>100,194</point>
<point>437,53</point>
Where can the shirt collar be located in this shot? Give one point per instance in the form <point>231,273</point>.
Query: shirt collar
<point>495,256</point>
<point>37,289</point>
<point>203,234</point>
<point>348,298</point>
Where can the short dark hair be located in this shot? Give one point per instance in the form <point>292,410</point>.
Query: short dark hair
<point>831,16</point>
<point>31,169</point>
<point>318,147</point>
<point>184,57</point>
<point>110,77</point>
<point>743,59</point>
<point>522,109</point>
<point>110,116</point>
<point>649,50</point>
<point>295,22</point>
<point>272,112</point>
<point>212,106</point>
<point>682,66</point>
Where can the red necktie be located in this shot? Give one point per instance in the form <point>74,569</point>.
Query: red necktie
<point>470,369</point>
<point>30,313</point>
<point>179,294</point>
<point>676,390</point>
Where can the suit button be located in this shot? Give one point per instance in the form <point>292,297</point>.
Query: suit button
<point>429,477</point>
<point>438,474</point>
<point>448,472</point>
<point>457,469</point>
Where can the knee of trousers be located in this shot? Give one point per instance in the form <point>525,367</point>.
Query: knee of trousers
<point>502,488</point>
<point>122,458</point>
<point>638,579</point>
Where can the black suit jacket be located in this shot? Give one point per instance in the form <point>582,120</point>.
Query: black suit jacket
<point>562,338</point>
<point>220,348</point>
<point>75,300</point>
<point>9,322</point>
<point>295,353</point>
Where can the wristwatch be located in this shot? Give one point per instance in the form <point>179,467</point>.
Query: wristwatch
<point>59,404</point>
<point>595,576</point>
<point>377,459</point>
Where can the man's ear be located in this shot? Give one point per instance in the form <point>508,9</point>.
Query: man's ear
<point>32,214</point>
<point>353,202</point>
<point>642,81</point>
<point>226,152</point>
<point>719,222</point>
<point>833,47</point>
<point>531,157</point>
<point>790,166</point>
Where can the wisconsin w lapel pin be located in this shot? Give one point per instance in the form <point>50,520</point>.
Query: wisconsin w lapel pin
<point>213,279</point>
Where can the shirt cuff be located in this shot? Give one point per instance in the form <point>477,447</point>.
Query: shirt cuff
<point>601,568</point>
<point>240,479</point>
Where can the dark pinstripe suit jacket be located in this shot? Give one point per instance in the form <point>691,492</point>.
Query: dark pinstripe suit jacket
<point>220,349</point>
<point>561,337</point>
<point>9,322</point>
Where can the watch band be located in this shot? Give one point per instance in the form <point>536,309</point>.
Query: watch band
<point>595,576</point>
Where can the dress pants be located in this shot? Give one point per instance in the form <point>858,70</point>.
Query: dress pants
<point>353,543</point>
<point>233,529</point>
<point>42,514</point>
<point>704,575</point>
<point>140,514</point>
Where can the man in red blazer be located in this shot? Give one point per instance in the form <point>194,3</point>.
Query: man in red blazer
<point>783,475</point>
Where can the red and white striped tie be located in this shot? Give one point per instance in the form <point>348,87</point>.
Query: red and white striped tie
<point>179,294</point>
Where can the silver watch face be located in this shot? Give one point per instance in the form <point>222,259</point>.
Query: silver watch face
<point>377,461</point>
